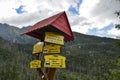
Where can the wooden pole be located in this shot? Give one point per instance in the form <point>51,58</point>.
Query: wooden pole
<point>40,72</point>
<point>50,73</point>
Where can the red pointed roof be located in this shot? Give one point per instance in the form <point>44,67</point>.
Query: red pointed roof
<point>57,23</point>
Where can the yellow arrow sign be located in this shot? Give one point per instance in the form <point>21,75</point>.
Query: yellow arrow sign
<point>54,61</point>
<point>55,38</point>
<point>52,48</point>
<point>35,64</point>
<point>38,47</point>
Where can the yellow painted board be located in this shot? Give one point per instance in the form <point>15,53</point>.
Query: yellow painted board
<point>53,37</point>
<point>38,47</point>
<point>35,64</point>
<point>51,48</point>
<point>55,64</point>
<point>56,56</point>
<point>55,61</point>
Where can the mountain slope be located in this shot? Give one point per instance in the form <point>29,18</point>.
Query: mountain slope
<point>88,58</point>
<point>12,34</point>
<point>91,57</point>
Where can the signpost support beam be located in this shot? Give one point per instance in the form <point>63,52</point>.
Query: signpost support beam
<point>40,73</point>
<point>50,73</point>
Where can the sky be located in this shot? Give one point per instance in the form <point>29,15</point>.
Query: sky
<point>91,17</point>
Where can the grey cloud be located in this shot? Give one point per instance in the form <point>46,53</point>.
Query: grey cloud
<point>86,23</point>
<point>28,19</point>
<point>79,20</point>
<point>106,8</point>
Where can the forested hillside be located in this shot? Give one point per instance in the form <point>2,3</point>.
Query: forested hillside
<point>14,59</point>
<point>88,58</point>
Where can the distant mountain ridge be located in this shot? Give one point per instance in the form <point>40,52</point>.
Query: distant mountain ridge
<point>12,34</point>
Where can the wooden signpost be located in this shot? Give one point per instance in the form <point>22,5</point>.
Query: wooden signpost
<point>50,49</point>
<point>38,47</point>
<point>53,33</point>
<point>55,61</point>
<point>35,64</point>
<point>55,38</point>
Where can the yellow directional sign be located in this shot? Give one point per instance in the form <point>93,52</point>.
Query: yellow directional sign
<point>38,47</point>
<point>54,61</point>
<point>52,48</point>
<point>35,64</point>
<point>53,37</point>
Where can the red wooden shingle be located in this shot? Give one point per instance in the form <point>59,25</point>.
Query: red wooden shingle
<point>57,23</point>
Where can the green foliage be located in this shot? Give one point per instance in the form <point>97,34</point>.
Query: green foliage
<point>4,54</point>
<point>115,73</point>
<point>118,62</point>
<point>117,26</point>
<point>117,44</point>
<point>88,58</point>
<point>65,75</point>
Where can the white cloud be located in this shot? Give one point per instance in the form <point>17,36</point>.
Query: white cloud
<point>92,14</point>
<point>87,6</point>
<point>7,8</point>
<point>97,14</point>
<point>114,32</point>
<point>35,10</point>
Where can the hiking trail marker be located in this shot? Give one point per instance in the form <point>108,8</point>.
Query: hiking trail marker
<point>51,48</point>
<point>52,32</point>
<point>55,38</point>
<point>55,61</point>
<point>35,64</point>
